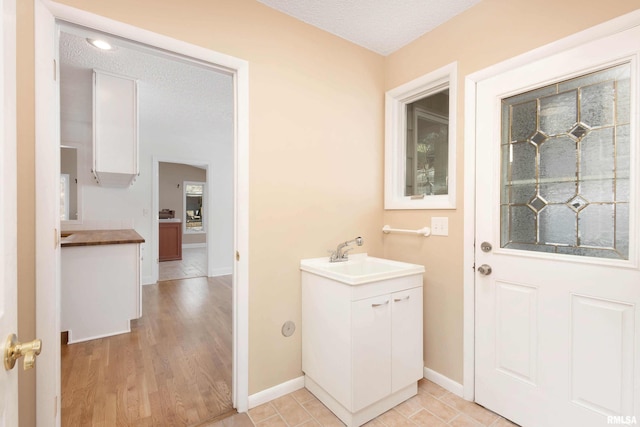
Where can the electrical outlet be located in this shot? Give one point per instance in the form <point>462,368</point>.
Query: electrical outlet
<point>440,226</point>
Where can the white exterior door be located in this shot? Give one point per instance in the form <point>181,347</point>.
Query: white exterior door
<point>557,189</point>
<point>8,248</point>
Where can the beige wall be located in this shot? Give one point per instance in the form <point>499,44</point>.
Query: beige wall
<point>316,150</point>
<point>171,194</point>
<point>488,33</point>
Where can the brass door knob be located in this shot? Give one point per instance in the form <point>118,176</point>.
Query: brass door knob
<point>14,350</point>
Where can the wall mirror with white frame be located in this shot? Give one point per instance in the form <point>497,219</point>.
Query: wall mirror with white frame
<point>194,218</point>
<point>420,142</point>
<point>70,185</point>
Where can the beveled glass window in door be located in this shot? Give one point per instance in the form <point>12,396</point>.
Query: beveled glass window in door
<point>565,153</point>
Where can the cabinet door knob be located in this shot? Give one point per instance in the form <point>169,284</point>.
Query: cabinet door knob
<point>381,304</point>
<point>401,299</point>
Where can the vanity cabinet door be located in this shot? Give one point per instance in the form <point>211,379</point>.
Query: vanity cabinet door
<point>371,345</point>
<point>406,338</point>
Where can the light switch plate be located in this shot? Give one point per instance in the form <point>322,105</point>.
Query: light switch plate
<point>439,226</point>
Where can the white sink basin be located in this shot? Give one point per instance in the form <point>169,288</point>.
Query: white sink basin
<point>360,269</point>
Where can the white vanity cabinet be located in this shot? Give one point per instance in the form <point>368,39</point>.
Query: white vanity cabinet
<point>362,344</point>
<point>115,129</point>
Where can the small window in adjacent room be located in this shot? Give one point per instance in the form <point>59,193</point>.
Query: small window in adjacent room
<point>420,142</point>
<point>193,206</point>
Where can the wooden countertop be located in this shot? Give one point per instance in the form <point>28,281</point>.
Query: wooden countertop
<point>100,237</point>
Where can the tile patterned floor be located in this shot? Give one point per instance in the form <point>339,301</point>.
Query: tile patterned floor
<point>433,406</point>
<point>193,264</point>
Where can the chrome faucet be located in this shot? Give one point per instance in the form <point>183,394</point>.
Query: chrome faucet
<point>339,255</point>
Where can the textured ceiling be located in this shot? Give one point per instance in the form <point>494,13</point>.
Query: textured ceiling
<point>187,100</point>
<point>179,99</point>
<point>382,26</point>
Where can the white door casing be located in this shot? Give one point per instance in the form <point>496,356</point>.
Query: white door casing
<point>47,159</point>
<point>8,223</point>
<point>556,335</point>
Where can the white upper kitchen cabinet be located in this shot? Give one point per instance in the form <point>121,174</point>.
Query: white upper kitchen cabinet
<point>115,129</point>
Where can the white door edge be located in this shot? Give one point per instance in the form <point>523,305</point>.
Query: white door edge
<point>240,70</point>
<point>8,211</point>
<point>610,27</point>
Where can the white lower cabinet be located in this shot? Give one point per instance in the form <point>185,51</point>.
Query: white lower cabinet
<point>362,345</point>
<point>100,290</point>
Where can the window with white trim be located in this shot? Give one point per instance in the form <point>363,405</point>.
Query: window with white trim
<point>420,142</point>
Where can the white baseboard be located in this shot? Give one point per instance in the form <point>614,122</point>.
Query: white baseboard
<point>148,280</point>
<point>70,339</point>
<point>275,392</point>
<point>224,271</point>
<point>290,386</point>
<point>444,382</point>
<point>193,245</point>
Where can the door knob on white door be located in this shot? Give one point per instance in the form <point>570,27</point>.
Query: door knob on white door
<point>13,350</point>
<point>484,269</point>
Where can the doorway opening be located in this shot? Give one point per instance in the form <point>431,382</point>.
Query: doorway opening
<point>47,182</point>
<point>183,228</point>
<point>166,87</point>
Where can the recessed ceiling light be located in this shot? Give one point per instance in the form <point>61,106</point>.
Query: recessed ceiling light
<point>100,44</point>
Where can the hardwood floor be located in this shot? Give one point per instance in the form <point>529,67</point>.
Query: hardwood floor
<point>173,369</point>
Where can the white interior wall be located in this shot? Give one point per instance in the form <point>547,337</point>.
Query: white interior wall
<point>172,137</point>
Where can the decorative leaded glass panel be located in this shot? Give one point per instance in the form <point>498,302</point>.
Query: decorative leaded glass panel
<point>523,121</point>
<point>557,113</point>
<point>565,167</point>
